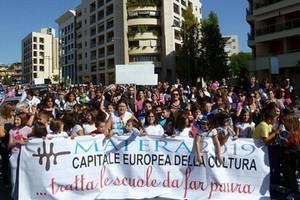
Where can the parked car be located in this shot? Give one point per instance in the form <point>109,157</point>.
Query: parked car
<point>11,100</point>
<point>41,89</point>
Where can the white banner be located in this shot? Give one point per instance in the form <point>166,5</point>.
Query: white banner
<point>144,167</point>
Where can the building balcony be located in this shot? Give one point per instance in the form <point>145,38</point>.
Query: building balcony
<point>286,60</point>
<point>276,31</point>
<point>251,40</point>
<point>263,4</point>
<point>144,50</point>
<point>143,21</point>
<point>141,36</point>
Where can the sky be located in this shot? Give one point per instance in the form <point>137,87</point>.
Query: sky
<point>21,17</point>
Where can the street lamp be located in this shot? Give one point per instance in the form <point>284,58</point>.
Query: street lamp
<point>183,29</point>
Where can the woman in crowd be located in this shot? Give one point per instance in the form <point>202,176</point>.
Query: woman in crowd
<point>139,102</point>
<point>176,103</point>
<point>90,123</point>
<point>151,126</point>
<point>70,99</point>
<point>48,105</point>
<point>119,118</point>
<point>183,126</point>
<point>72,126</point>
<point>242,102</point>
<point>6,122</point>
<point>291,152</point>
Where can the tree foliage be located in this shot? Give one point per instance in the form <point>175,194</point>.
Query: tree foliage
<point>213,58</point>
<point>188,55</point>
<point>239,67</point>
<point>143,3</point>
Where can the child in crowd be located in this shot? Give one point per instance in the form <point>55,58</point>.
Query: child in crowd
<point>165,115</point>
<point>223,123</point>
<point>245,127</point>
<point>170,124</point>
<point>45,118</point>
<point>57,128</point>
<point>206,131</point>
<point>100,128</point>
<point>264,131</point>
<point>132,127</point>
<point>39,130</point>
<point>72,125</point>
<point>183,126</point>
<point>17,137</point>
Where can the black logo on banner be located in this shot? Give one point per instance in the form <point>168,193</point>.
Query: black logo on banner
<point>43,154</point>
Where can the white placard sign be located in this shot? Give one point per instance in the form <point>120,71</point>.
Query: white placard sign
<point>141,167</point>
<point>137,74</point>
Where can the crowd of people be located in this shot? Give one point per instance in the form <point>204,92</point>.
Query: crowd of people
<point>218,110</point>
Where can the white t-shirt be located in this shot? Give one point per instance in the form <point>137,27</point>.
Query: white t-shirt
<point>211,133</point>
<point>245,129</point>
<point>88,128</point>
<point>186,132</point>
<point>75,129</point>
<point>154,130</point>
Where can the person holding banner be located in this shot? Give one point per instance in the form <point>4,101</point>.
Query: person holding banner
<point>206,131</point>
<point>291,152</point>
<point>17,137</point>
<point>119,118</point>
<point>151,126</point>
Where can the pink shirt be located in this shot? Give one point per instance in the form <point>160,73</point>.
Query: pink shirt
<point>17,133</point>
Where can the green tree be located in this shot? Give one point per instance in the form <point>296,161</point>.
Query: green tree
<point>187,58</point>
<point>213,58</point>
<point>239,69</point>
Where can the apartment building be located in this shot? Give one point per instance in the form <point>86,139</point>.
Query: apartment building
<point>67,46</point>
<point>112,32</point>
<point>40,58</point>
<point>231,44</point>
<point>275,39</point>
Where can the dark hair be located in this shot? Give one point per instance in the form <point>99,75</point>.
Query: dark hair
<point>70,120</point>
<point>270,114</point>
<point>39,130</point>
<point>220,119</point>
<point>7,109</point>
<point>122,100</point>
<point>243,111</point>
<point>181,121</point>
<point>68,95</point>
<point>147,115</point>
<point>24,119</point>
<point>47,98</point>
<point>135,123</point>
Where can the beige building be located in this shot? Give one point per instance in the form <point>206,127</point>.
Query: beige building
<point>67,46</point>
<point>40,58</point>
<point>275,39</point>
<point>231,44</point>
<point>111,32</point>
